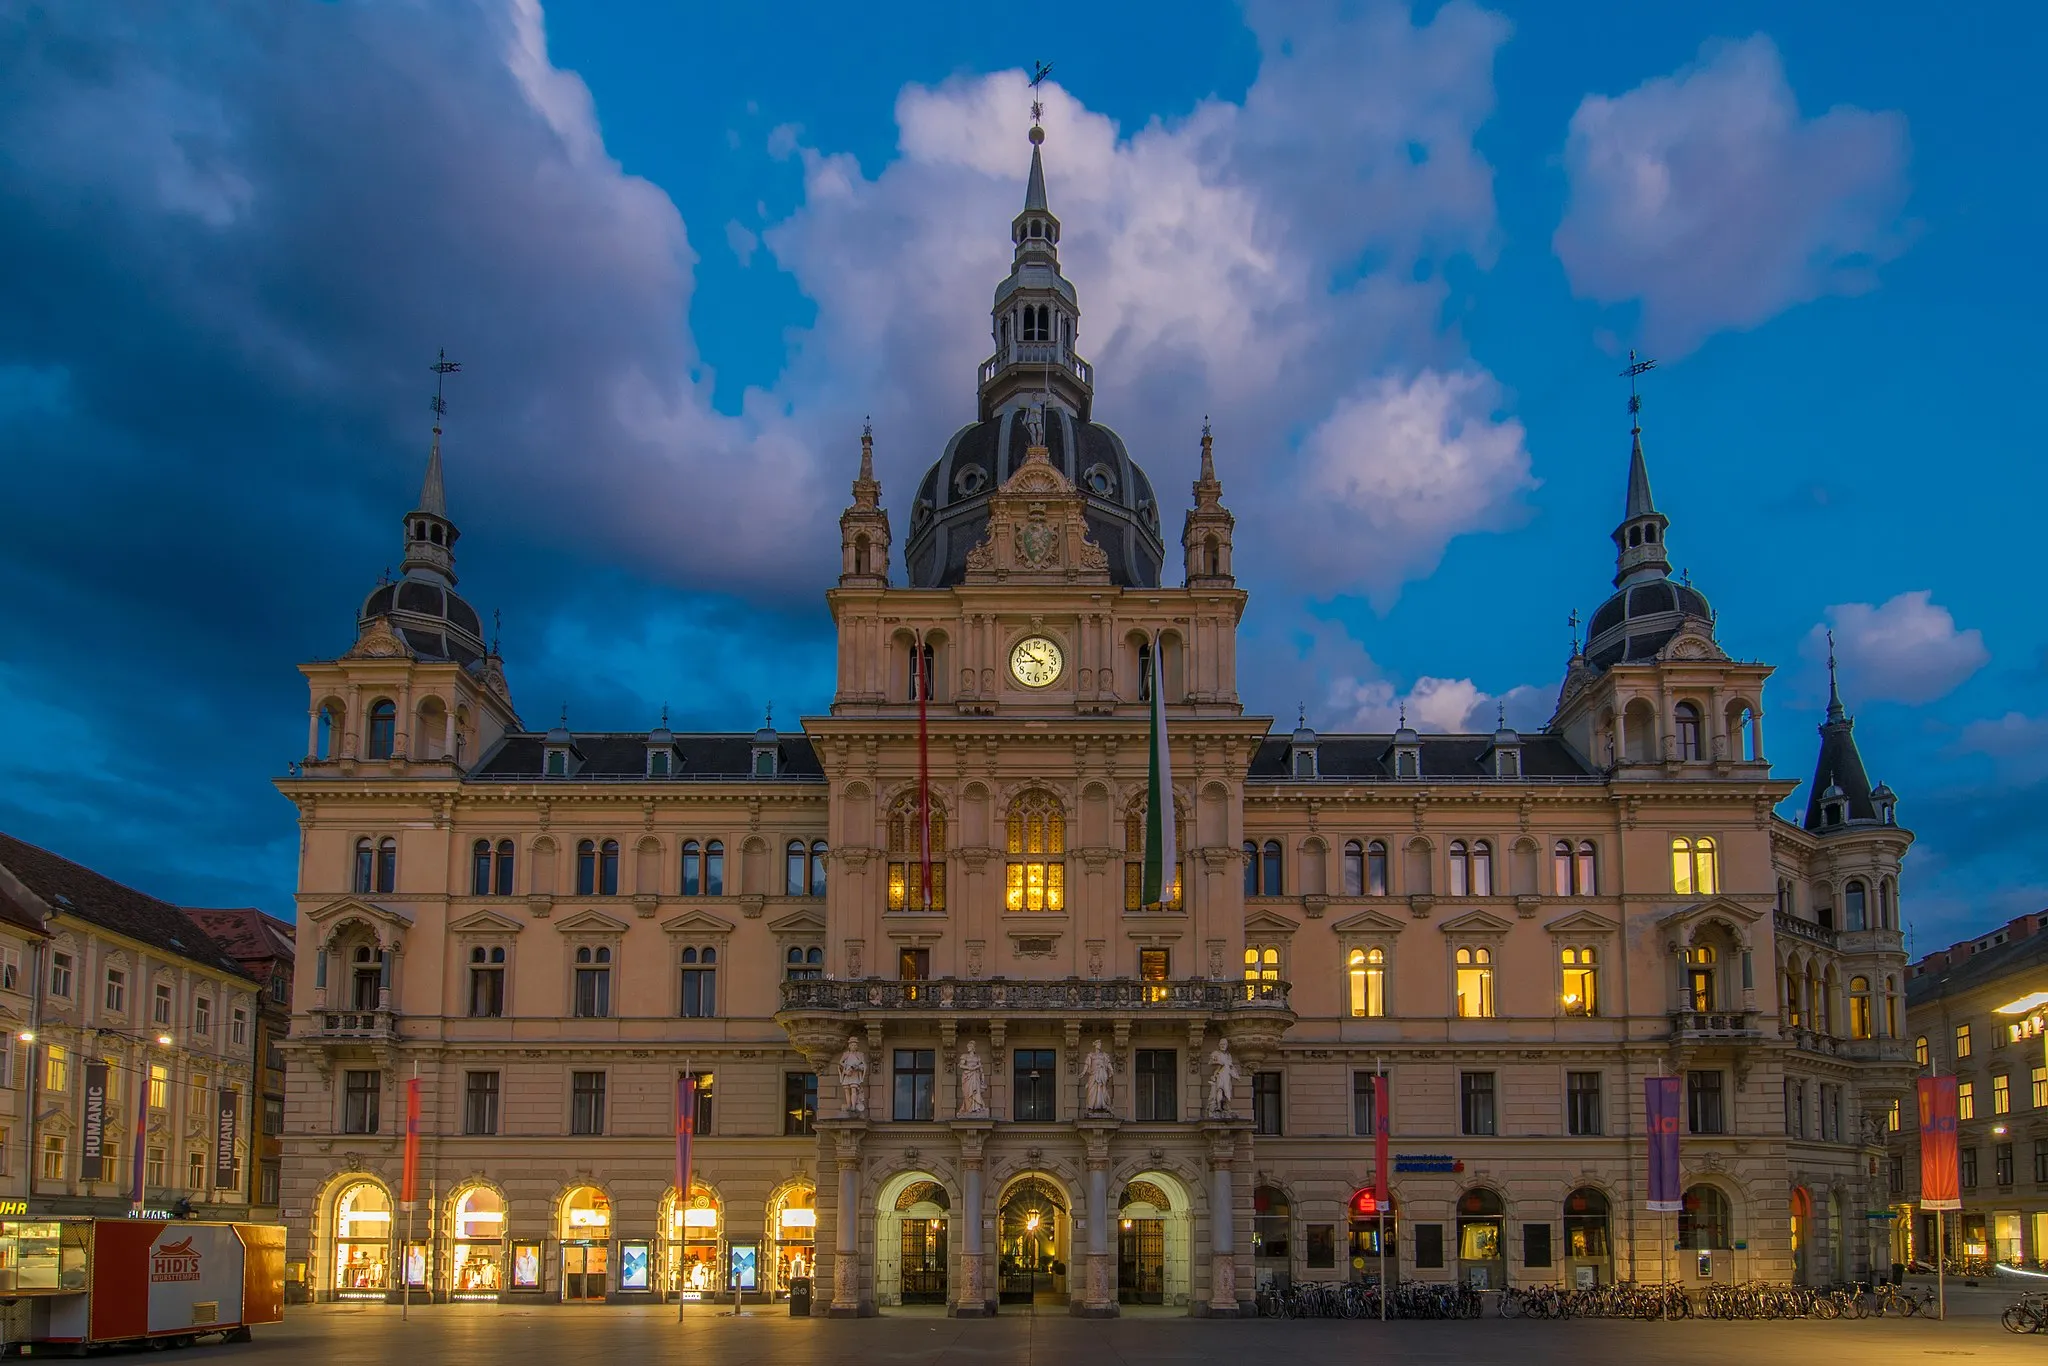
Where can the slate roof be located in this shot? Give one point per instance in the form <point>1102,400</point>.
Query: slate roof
<point>245,932</point>
<point>73,889</point>
<point>1371,757</point>
<point>619,755</point>
<point>20,916</point>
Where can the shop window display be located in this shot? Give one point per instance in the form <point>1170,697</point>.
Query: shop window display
<point>362,1240</point>
<point>695,1226</point>
<point>479,1268</point>
<point>795,1230</point>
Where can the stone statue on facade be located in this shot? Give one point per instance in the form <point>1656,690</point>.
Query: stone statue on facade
<point>1096,1071</point>
<point>1223,1074</point>
<point>973,1084</point>
<point>853,1079</point>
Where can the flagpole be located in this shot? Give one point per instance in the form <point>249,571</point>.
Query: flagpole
<point>1379,1101</point>
<point>411,1147</point>
<point>923,682</point>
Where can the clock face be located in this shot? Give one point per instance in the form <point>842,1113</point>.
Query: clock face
<point>1036,662</point>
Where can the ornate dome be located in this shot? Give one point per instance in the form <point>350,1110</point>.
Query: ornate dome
<point>950,515</point>
<point>1640,619</point>
<point>430,617</point>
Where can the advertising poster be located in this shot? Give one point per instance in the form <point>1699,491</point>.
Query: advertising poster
<point>1661,1103</point>
<point>633,1266</point>
<point>745,1261</point>
<point>1940,1177</point>
<point>526,1266</point>
<point>227,1121</point>
<point>93,1130</point>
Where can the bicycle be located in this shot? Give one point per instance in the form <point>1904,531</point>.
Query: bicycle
<point>2028,1314</point>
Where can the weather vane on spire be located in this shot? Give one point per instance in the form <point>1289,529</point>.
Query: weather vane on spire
<point>1039,71</point>
<point>442,368</point>
<point>1635,400</point>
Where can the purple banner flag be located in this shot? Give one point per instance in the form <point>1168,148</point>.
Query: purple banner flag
<point>1660,1104</point>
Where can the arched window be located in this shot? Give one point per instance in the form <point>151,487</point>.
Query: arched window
<point>1269,870</point>
<point>796,875</point>
<point>700,983</point>
<point>1262,963</point>
<point>1687,717</point>
<point>1581,990</point>
<point>1145,672</point>
<point>506,861</point>
<point>1701,968</point>
<point>1461,869</point>
<point>1854,906</point>
<point>818,852</point>
<point>1576,870</point>
<point>593,999</point>
<point>1036,870</point>
<point>1561,866</point>
<point>1134,862</point>
<point>1920,1050</point>
<point>1695,869</point>
<point>1475,982</point>
<point>1703,1220</point>
<point>383,728</point>
<point>1482,868</point>
<point>1861,1019</point>
<point>1376,868</point>
<point>1367,969</point>
<point>1251,868</point>
<point>327,733</point>
<point>366,979</point>
<point>480,868</point>
<point>1354,868</point>
<point>586,868</point>
<point>1887,911</point>
<point>693,868</point>
<point>1891,1007</point>
<point>802,964</point>
<point>919,679</point>
<point>366,865</point>
<point>908,839</point>
<point>487,982</point>
<point>608,869</point>
<point>387,864</point>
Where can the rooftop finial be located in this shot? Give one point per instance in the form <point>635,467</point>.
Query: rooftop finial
<point>1635,400</point>
<point>497,625</point>
<point>664,716</point>
<point>1575,632</point>
<point>1501,716</point>
<point>432,496</point>
<point>768,717</point>
<point>1208,453</point>
<point>1404,713</point>
<point>867,450</point>
<point>1836,712</point>
<point>1300,715</point>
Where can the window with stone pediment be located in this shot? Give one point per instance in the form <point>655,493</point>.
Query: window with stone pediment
<point>1579,993</point>
<point>1134,858</point>
<point>593,982</point>
<point>699,965</point>
<point>486,981</point>
<point>1365,969</point>
<point>917,835</point>
<point>1474,963</point>
<point>803,963</point>
<point>1035,846</point>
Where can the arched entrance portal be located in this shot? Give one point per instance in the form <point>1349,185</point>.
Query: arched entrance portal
<point>1802,1231</point>
<point>1482,1241</point>
<point>586,1231</point>
<point>1152,1241</point>
<point>910,1240</point>
<point>362,1240</point>
<point>1035,1228</point>
<point>793,1232</point>
<point>479,1228</point>
<point>1588,1252</point>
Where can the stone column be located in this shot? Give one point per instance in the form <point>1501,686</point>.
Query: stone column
<point>1098,1296</point>
<point>970,1299</point>
<point>1223,1298</point>
<point>846,1302</point>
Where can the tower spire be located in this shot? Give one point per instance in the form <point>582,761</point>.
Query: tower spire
<point>1836,712</point>
<point>429,535</point>
<point>1639,540</point>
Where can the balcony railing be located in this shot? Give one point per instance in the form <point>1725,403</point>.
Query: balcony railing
<point>1118,994</point>
<point>1714,1024</point>
<point>354,1024</point>
<point>1037,354</point>
<point>1803,929</point>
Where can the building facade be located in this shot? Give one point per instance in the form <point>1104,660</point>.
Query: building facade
<point>262,945</point>
<point>127,1020</point>
<point>1978,1011</point>
<point>947,1051</point>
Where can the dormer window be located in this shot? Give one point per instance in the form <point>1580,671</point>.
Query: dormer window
<point>1408,762</point>
<point>558,763</point>
<point>658,763</point>
<point>1304,763</point>
<point>1508,763</point>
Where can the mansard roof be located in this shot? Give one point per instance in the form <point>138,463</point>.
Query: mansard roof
<point>617,756</point>
<point>1370,758</point>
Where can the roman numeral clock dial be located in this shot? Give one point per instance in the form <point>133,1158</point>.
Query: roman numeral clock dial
<point>1036,662</point>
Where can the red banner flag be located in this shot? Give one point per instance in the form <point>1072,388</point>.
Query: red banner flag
<point>686,1124</point>
<point>1381,1130</point>
<point>1661,1104</point>
<point>412,1142</point>
<point>1940,1180</point>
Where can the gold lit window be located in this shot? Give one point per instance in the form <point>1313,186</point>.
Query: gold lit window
<point>907,856</point>
<point>1262,963</point>
<point>1475,982</point>
<point>1367,970</point>
<point>1036,876</point>
<point>1695,866</point>
<point>1134,863</point>
<point>1580,993</point>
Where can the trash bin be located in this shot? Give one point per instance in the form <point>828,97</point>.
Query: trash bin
<point>800,1297</point>
<point>1898,1273</point>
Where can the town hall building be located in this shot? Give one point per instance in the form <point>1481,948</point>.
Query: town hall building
<point>947,1052</point>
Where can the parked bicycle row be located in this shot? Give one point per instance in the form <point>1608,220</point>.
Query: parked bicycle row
<point>1353,1300</point>
<point>2028,1314</point>
<point>1619,1300</point>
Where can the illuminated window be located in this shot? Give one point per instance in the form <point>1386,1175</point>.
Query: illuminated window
<point>1475,982</point>
<point>1367,969</point>
<point>1580,994</point>
<point>159,1086</point>
<point>1262,963</point>
<point>1155,966</point>
<point>1859,1008</point>
<point>1134,862</point>
<point>1701,969</point>
<point>1036,875</point>
<point>1920,1052</point>
<point>2040,1081</point>
<point>911,832</point>
<point>56,1068</point>
<point>2001,1095</point>
<point>1962,1041</point>
<point>1966,1100</point>
<point>1891,1118</point>
<point>1695,866</point>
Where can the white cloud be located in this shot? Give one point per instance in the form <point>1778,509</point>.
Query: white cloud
<point>2014,740</point>
<point>1445,705</point>
<point>742,241</point>
<point>1906,649</point>
<point>1705,195</point>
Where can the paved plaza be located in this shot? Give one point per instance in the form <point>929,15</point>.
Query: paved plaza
<point>478,1335</point>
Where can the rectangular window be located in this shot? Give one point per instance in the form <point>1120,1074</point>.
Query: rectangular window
<point>1962,1041</point>
<point>2001,1163</point>
<point>1896,1174</point>
<point>1429,1247</point>
<point>60,974</point>
<point>53,1157</point>
<point>1967,1166</point>
<point>1266,1108</point>
<point>1830,1112</point>
<point>160,1086</point>
<point>1366,1090</point>
<point>480,1103</point>
<point>1582,1105</point>
<point>56,1068</point>
<point>2001,1095</point>
<point>1704,1113</point>
<point>2041,1161</point>
<point>1535,1245</point>
<point>1795,1108</point>
<point>273,1115</point>
<point>593,993</point>
<point>269,1181</point>
<point>10,969</point>
<point>1966,1100</point>
<point>913,965</point>
<point>913,1084</point>
<point>799,1103</point>
<point>202,1015</point>
<point>117,991</point>
<point>238,1027</point>
<point>160,1007</point>
<point>1032,1084</point>
<point>486,993</point>
<point>1891,1116</point>
<point>155,1167</point>
<point>1475,1097</point>
<point>586,1102</point>
<point>358,1101</point>
<point>2040,1080</point>
<point>195,1170</point>
<point>700,988</point>
<point>1158,1085</point>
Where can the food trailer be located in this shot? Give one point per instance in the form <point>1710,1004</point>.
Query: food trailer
<point>85,1282</point>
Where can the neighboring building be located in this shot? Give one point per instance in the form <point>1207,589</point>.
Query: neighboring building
<point>549,927</point>
<point>262,944</point>
<point>1978,1010</point>
<point>125,981</point>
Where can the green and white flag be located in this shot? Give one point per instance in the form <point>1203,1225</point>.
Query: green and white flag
<point>1162,862</point>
